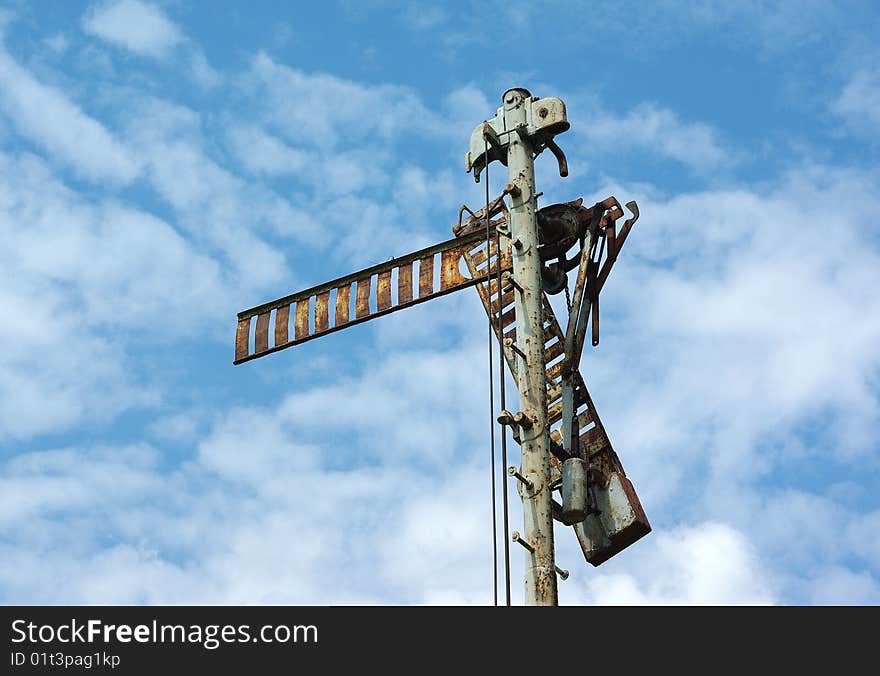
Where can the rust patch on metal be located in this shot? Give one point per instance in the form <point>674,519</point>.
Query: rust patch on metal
<point>301,320</point>
<point>450,275</point>
<point>426,276</point>
<point>242,336</point>
<point>555,371</point>
<point>553,394</point>
<point>404,284</point>
<point>362,299</point>
<point>383,291</point>
<point>508,317</point>
<point>479,257</point>
<point>593,439</point>
<point>282,318</point>
<point>261,338</point>
<point>507,297</point>
<point>322,319</point>
<point>553,351</point>
<point>343,300</point>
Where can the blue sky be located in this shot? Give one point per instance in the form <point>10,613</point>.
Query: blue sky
<point>166,164</point>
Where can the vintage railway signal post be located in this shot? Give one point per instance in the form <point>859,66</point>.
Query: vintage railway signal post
<point>515,255</point>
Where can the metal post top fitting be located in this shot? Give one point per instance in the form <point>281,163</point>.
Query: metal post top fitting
<point>514,95</point>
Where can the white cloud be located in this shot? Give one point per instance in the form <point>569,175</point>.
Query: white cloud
<point>181,428</point>
<point>58,43</point>
<point>841,586</point>
<point>86,280</point>
<point>313,126</point>
<point>144,29</point>
<point>137,26</point>
<point>710,563</point>
<point>201,71</point>
<point>859,103</point>
<point>46,116</point>
<point>116,527</point>
<point>217,207</point>
<point>466,107</point>
<point>384,501</point>
<point>327,111</point>
<point>655,129</point>
<point>424,17</point>
<point>741,326</point>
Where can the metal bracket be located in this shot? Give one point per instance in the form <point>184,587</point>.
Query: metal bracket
<point>477,219</point>
<point>512,471</point>
<point>516,537</point>
<point>544,119</point>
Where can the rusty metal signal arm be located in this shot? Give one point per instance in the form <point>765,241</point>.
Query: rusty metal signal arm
<point>370,290</point>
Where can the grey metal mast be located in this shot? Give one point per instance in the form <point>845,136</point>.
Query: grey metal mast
<point>523,127</point>
<point>540,582</point>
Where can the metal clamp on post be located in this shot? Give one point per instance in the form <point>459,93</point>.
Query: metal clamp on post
<point>544,118</point>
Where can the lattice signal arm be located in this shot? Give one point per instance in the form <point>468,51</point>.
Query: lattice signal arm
<point>593,444</point>
<point>374,292</point>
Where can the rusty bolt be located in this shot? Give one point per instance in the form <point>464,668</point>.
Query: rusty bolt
<point>517,244</point>
<point>507,278</point>
<point>543,113</point>
<point>525,482</point>
<point>505,418</point>
<point>512,189</point>
<point>516,537</point>
<point>562,573</point>
<point>508,343</point>
<point>523,420</point>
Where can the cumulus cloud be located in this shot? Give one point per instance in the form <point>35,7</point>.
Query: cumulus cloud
<point>325,110</point>
<point>145,30</point>
<point>743,330</point>
<point>262,152</point>
<point>82,274</point>
<point>710,563</point>
<point>46,115</point>
<point>859,103</point>
<point>235,218</point>
<point>287,525</point>
<point>842,586</point>
<point>137,26</point>
<point>655,129</point>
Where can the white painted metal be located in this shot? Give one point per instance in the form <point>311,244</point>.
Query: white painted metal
<point>619,522</point>
<point>540,577</point>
